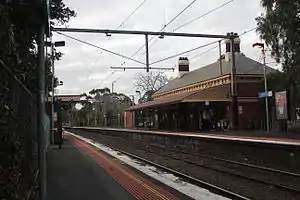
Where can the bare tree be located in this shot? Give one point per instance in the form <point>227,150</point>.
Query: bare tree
<point>152,81</point>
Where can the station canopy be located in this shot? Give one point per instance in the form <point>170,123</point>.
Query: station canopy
<point>219,93</point>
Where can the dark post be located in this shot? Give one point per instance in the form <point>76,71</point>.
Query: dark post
<point>41,110</point>
<point>220,57</point>
<point>234,100</point>
<point>147,53</point>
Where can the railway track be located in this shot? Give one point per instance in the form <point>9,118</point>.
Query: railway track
<point>213,188</point>
<point>270,178</point>
<point>235,172</point>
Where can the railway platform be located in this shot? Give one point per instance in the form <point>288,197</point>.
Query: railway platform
<point>79,171</point>
<point>283,138</point>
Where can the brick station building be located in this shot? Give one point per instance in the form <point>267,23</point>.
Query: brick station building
<point>201,99</point>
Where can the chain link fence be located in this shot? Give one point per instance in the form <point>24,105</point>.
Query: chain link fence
<point>18,138</point>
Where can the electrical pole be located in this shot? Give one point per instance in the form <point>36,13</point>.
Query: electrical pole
<point>266,90</point>
<point>52,44</point>
<point>147,53</point>
<point>220,57</point>
<point>262,46</point>
<point>234,99</point>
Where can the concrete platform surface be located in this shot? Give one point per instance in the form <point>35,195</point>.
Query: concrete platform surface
<point>73,175</point>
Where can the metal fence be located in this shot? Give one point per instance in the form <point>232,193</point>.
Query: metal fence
<point>18,138</point>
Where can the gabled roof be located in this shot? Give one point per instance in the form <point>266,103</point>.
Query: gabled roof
<point>244,65</point>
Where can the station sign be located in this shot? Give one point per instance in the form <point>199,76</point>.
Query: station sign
<point>265,94</point>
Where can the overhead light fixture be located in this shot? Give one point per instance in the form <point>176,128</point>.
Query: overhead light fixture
<point>161,37</point>
<point>108,34</point>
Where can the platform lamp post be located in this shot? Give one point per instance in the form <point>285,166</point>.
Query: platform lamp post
<point>52,45</point>
<point>262,46</point>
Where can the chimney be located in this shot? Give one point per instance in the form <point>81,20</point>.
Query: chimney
<point>183,66</point>
<point>237,48</point>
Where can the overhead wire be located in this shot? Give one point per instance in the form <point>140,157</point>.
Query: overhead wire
<point>184,52</point>
<point>102,81</point>
<point>203,15</point>
<point>193,20</point>
<point>161,29</point>
<point>169,22</point>
<point>214,47</point>
<point>118,27</point>
<point>93,45</point>
<point>132,13</point>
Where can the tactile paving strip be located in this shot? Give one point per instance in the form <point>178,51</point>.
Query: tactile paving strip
<point>136,185</point>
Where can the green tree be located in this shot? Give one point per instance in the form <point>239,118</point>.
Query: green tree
<point>100,104</point>
<point>19,21</point>
<point>279,27</point>
<point>18,24</point>
<point>276,81</point>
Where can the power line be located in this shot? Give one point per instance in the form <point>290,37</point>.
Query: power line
<point>172,20</point>
<point>242,34</point>
<point>93,45</point>
<point>188,51</point>
<point>195,19</point>
<point>93,64</point>
<point>119,26</point>
<point>214,47</point>
<point>162,28</point>
<point>132,13</point>
<point>201,16</point>
<point>112,73</point>
<point>180,13</point>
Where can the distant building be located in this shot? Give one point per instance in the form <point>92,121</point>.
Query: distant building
<point>201,99</point>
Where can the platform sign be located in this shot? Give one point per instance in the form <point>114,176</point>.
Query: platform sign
<point>281,105</point>
<point>265,94</point>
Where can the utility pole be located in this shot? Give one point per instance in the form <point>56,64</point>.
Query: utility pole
<point>53,113</point>
<point>234,98</point>
<point>147,52</point>
<point>220,57</point>
<point>262,46</point>
<point>266,90</point>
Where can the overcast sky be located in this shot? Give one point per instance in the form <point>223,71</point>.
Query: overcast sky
<point>83,67</point>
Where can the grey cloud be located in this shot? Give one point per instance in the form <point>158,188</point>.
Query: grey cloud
<point>79,70</point>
